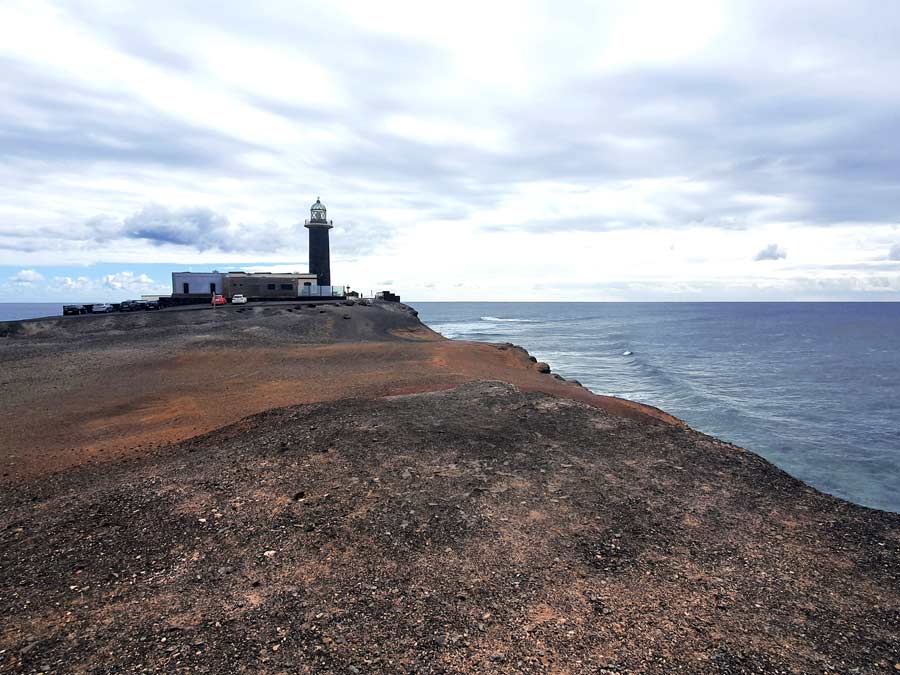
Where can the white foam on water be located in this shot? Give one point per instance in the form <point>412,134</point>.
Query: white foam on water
<point>501,320</point>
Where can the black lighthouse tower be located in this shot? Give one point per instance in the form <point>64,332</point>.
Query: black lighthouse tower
<point>319,253</point>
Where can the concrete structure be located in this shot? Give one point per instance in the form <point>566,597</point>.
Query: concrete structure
<point>188,287</point>
<point>319,251</point>
<point>387,296</point>
<point>268,285</point>
<point>187,284</point>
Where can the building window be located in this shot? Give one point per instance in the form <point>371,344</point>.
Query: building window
<point>185,288</point>
<point>287,287</point>
<point>307,283</point>
<point>271,287</point>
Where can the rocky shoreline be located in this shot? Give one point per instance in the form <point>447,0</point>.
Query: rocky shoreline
<point>448,508</point>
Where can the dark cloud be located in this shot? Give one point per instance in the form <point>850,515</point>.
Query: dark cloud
<point>197,227</point>
<point>205,229</point>
<point>771,252</point>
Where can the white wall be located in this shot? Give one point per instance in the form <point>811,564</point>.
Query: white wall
<point>198,282</point>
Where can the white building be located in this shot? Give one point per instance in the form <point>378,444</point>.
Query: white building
<point>198,283</point>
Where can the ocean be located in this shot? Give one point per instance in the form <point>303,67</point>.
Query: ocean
<point>16,311</point>
<point>812,387</point>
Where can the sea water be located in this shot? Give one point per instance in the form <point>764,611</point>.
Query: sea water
<point>812,387</point>
<point>16,311</point>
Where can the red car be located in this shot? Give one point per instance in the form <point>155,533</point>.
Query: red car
<point>218,299</point>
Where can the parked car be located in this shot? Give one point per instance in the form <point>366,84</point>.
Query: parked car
<point>132,306</point>
<point>238,299</point>
<point>151,305</point>
<point>74,309</point>
<point>102,308</point>
<point>218,299</point>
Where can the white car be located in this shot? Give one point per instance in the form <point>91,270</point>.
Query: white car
<point>102,308</point>
<point>238,299</point>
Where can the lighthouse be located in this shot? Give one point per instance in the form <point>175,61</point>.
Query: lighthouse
<point>319,253</point>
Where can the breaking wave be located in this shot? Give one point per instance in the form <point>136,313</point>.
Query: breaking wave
<point>497,318</point>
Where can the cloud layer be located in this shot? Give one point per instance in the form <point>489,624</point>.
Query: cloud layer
<point>636,145</point>
<point>771,252</point>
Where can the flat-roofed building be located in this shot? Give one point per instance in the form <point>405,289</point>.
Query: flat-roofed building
<point>268,285</point>
<point>188,284</point>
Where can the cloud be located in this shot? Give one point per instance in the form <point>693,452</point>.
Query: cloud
<point>26,278</point>
<point>128,281</point>
<point>771,252</point>
<point>894,253</point>
<point>70,284</point>
<point>199,227</point>
<point>204,229</point>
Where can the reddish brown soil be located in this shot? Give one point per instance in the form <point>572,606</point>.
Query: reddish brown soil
<point>108,391</point>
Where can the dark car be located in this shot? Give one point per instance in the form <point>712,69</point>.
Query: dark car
<point>74,309</point>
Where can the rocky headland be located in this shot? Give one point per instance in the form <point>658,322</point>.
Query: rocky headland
<point>283,489</point>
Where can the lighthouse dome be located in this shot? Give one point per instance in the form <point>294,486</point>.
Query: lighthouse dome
<point>317,212</point>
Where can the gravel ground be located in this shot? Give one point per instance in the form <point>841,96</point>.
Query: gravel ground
<point>480,529</point>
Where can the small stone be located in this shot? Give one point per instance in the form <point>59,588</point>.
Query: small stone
<point>29,647</point>
<point>269,554</point>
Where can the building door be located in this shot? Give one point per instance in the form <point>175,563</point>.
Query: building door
<point>185,288</point>
<point>212,288</point>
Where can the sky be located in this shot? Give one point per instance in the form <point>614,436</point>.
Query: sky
<point>564,150</point>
